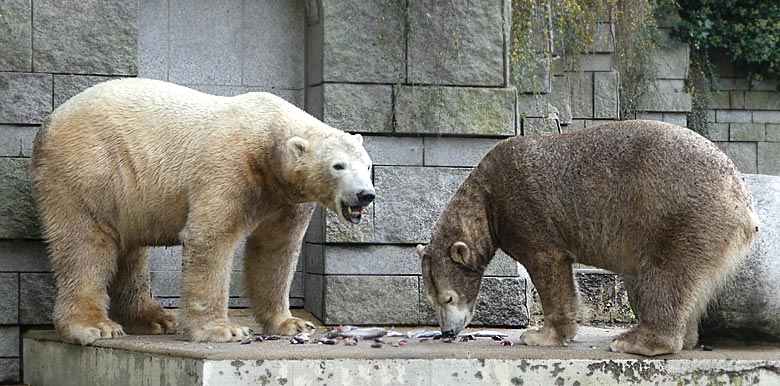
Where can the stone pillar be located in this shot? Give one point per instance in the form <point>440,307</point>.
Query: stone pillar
<point>426,84</point>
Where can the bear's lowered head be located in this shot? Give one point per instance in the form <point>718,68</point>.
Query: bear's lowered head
<point>335,170</point>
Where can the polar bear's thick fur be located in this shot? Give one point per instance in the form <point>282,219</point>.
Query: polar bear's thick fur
<point>655,202</point>
<point>132,163</point>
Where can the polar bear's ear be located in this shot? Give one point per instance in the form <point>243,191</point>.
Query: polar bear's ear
<point>297,145</point>
<point>421,250</point>
<point>359,138</point>
<point>460,253</point>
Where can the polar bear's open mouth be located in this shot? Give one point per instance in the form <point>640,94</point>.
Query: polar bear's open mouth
<point>352,213</point>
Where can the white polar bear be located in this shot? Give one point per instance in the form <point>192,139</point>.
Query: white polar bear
<point>133,163</point>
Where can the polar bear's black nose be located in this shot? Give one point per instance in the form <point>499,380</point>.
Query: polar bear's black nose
<point>365,196</point>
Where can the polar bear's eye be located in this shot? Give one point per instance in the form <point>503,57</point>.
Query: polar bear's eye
<point>338,166</point>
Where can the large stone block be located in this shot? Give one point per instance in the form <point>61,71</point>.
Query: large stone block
<point>37,292</point>
<point>153,39</point>
<point>773,132</point>
<point>736,99</point>
<point>410,200</point>
<point>16,36</point>
<point>604,295</point>
<point>358,107</point>
<point>536,78</point>
<point>733,116</point>
<point>9,302</point>
<point>204,46</point>
<point>364,41</point>
<point>18,219</point>
<point>9,341</point>
<point>455,110</point>
<point>679,119</point>
<point>10,371</point>
<point>458,43</point>
<point>67,86</point>
<point>315,292</point>
<point>539,126</point>
<point>769,158</point>
<point>671,62</point>
<point>605,95</point>
<point>766,116</point>
<point>315,40</point>
<point>604,41</point>
<point>581,94</point>
<point>560,99</point>
<point>17,141</point>
<point>748,307</point>
<point>371,300</point>
<point>23,256</point>
<point>502,302</point>
<point>273,43</point>
<point>339,231</point>
<point>743,132</point>
<point>394,150</point>
<point>85,37</point>
<point>444,151</point>
<point>742,153</point>
<point>759,100</point>
<point>25,98</point>
<point>665,102</point>
<point>533,105</point>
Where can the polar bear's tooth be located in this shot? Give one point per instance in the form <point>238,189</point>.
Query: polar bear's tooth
<point>349,209</point>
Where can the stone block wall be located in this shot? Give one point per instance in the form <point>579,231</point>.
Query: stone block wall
<point>76,44</point>
<point>426,84</point>
<point>222,48</point>
<point>745,119</point>
<point>51,50</point>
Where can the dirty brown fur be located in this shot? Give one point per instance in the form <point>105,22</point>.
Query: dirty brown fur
<point>134,163</point>
<point>649,200</point>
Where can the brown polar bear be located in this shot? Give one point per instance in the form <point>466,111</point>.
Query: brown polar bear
<point>652,201</point>
<point>132,163</point>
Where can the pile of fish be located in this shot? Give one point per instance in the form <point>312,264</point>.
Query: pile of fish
<point>352,335</point>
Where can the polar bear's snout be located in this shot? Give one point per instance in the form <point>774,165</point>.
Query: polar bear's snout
<point>366,196</point>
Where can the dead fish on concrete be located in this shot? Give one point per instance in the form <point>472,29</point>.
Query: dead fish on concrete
<point>507,342</point>
<point>351,341</point>
<point>361,333</point>
<point>300,338</point>
<point>247,340</point>
<point>418,334</point>
<point>271,337</point>
<point>329,342</point>
<point>399,343</point>
<point>485,334</point>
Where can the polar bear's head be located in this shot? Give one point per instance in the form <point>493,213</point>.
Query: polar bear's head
<point>335,170</point>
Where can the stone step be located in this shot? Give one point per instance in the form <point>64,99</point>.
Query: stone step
<point>169,360</point>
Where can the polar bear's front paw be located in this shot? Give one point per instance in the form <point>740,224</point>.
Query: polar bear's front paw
<point>219,332</point>
<point>289,326</point>
<point>545,336</point>
<point>88,334</point>
<point>639,341</point>
<point>160,323</point>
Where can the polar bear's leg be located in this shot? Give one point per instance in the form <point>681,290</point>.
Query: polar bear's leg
<point>552,276</point>
<point>270,259</point>
<point>83,256</point>
<point>668,300</point>
<point>132,303</point>
<point>208,242</point>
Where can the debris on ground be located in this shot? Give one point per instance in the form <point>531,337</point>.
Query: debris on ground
<point>418,334</point>
<point>329,342</point>
<point>377,345</point>
<point>300,338</point>
<point>247,340</point>
<point>507,342</point>
<point>362,333</point>
<point>485,334</point>
<point>351,341</point>
<point>272,337</point>
<point>399,343</point>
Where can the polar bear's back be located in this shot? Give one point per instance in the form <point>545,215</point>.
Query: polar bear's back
<point>135,149</point>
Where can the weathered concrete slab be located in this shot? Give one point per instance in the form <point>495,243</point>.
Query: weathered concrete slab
<point>18,219</point>
<point>458,43</point>
<point>16,38</point>
<point>85,37</point>
<point>9,303</point>
<point>455,110</point>
<point>26,98</point>
<point>363,41</point>
<point>67,86</point>
<point>362,108</point>
<point>167,360</point>
<point>17,141</point>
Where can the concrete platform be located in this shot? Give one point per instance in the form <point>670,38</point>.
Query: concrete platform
<point>169,360</point>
